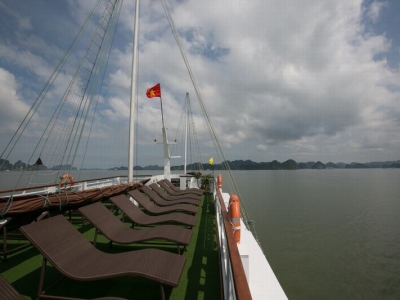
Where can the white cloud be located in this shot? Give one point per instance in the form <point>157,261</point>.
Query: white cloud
<point>374,10</point>
<point>297,79</point>
<point>13,109</point>
<point>262,147</point>
<point>23,22</point>
<point>118,109</point>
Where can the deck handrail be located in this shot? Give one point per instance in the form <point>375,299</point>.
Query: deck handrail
<point>53,185</point>
<point>234,262</point>
<point>75,183</point>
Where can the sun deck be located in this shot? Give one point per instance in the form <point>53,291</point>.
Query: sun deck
<point>200,280</point>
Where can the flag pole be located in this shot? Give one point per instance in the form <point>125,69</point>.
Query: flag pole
<point>162,113</point>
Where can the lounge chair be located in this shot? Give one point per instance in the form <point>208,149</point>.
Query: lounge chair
<point>172,192</point>
<point>159,196</point>
<point>75,257</point>
<point>9,229</point>
<point>8,292</point>
<point>163,188</point>
<point>136,215</point>
<point>116,231</point>
<point>190,190</point>
<point>158,210</point>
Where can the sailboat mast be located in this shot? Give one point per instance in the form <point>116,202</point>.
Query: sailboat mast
<point>133,92</point>
<point>186,130</point>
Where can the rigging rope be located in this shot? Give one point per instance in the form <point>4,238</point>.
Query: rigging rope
<point>105,58</point>
<point>209,123</point>
<point>66,125</point>
<point>32,111</point>
<point>193,148</point>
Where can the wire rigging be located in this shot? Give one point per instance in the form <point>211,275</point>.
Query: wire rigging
<point>58,144</point>
<point>209,123</point>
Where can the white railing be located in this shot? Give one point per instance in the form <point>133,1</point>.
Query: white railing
<point>234,280</point>
<point>77,186</point>
<point>245,271</point>
<point>226,268</point>
<point>95,184</point>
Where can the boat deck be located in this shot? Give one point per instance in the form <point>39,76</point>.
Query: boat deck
<point>200,279</point>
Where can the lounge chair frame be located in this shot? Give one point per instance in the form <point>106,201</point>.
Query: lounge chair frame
<point>106,223</point>
<point>138,216</point>
<point>172,192</point>
<point>150,207</point>
<point>189,190</point>
<point>8,292</point>
<point>196,191</point>
<point>9,228</point>
<point>75,257</point>
<point>159,196</point>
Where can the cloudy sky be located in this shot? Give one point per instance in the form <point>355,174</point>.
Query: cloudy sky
<point>306,80</point>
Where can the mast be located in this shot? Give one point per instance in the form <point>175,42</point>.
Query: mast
<point>186,130</point>
<point>133,92</point>
<point>167,155</point>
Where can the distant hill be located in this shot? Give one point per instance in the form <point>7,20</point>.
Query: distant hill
<point>289,164</point>
<point>20,166</point>
<point>286,165</point>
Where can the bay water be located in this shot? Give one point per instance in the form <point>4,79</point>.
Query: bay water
<point>327,234</point>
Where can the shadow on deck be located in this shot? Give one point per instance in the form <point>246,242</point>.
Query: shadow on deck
<point>204,272</point>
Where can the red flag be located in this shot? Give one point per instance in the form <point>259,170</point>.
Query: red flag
<point>154,91</point>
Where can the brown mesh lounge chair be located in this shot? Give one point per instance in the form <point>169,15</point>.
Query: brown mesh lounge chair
<point>159,196</point>
<point>191,190</point>
<point>180,193</point>
<point>9,227</point>
<point>136,215</point>
<point>157,187</point>
<point>116,231</point>
<point>170,187</point>
<point>158,210</point>
<point>7,291</point>
<point>75,257</point>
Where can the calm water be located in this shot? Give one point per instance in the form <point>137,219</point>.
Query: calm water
<point>328,234</point>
